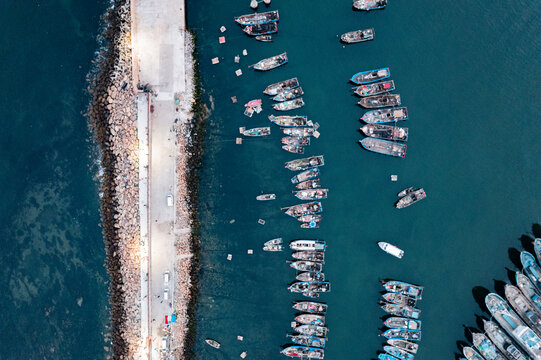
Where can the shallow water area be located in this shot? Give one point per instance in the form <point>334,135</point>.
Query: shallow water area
<point>472,147</point>
<point>53,280</point>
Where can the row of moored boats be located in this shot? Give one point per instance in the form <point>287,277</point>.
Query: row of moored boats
<point>403,327</point>
<point>262,26</point>
<point>514,330</point>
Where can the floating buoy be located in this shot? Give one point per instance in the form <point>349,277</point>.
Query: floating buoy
<point>267,2</point>
<point>254,4</point>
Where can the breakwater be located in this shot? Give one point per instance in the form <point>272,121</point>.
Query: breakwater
<point>112,118</point>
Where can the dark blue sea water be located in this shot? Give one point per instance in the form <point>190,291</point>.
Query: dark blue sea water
<point>52,278</point>
<point>468,72</point>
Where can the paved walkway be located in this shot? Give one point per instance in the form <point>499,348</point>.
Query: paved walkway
<point>158,40</point>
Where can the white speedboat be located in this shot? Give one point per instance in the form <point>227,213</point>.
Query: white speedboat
<point>391,249</point>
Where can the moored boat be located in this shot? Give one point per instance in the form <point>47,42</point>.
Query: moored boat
<point>386,357</point>
<point>215,344</point>
<point>305,163</point>
<point>525,285</point>
<point>271,62</point>
<point>315,330</point>
<point>310,225</point>
<point>260,131</point>
<point>531,269</point>
<point>313,207</point>
<point>299,131</point>
<point>289,105</point>
<point>537,249</point>
<point>311,276</point>
<point>309,184</point>
<point>380,101</point>
<point>257,18</point>
<point>391,249</point>
<point>527,311</point>
<point>310,255</point>
<point>384,147</point>
<point>485,347</point>
<point>310,286</point>
<point>369,76</point>
<point>310,217</point>
<point>397,353</point>
<point>375,88</point>
<point>266,197</point>
<point>311,307</point>
<point>404,334</point>
<point>471,354</point>
<point>312,194</point>
<point>296,140</point>
<point>303,265</point>
<point>385,132</point>
<point>274,89</point>
<point>307,340</point>
<point>400,299</point>
<point>308,245</point>
<point>273,245</point>
<point>503,342</point>
<point>403,311</point>
<point>367,5</point>
<point>404,345</point>
<point>411,198</point>
<point>264,38</point>
<point>511,322</point>
<point>289,121</point>
<point>303,352</point>
<point>381,116</point>
<point>401,287</point>
<point>261,29</point>
<point>357,36</point>
<point>289,94</point>
<point>310,319</point>
<point>305,175</point>
<point>294,148</point>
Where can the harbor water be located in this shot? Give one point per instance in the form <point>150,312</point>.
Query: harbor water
<point>53,280</point>
<point>467,71</point>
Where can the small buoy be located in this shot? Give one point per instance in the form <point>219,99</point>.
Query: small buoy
<point>240,338</point>
<point>250,252</point>
<point>254,4</point>
<point>229,257</point>
<point>267,2</point>
<point>394,177</point>
<point>222,28</point>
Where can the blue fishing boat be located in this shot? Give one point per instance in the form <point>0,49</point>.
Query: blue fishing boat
<point>386,357</point>
<point>537,249</point>
<point>531,268</point>
<point>370,76</point>
<point>397,353</point>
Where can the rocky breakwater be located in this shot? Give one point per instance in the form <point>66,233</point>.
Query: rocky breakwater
<point>112,118</point>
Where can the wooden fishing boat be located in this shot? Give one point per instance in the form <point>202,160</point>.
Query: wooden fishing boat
<point>289,94</point>
<point>261,29</point>
<point>265,197</point>
<point>318,256</point>
<point>305,163</point>
<point>303,352</point>
<point>257,18</point>
<point>271,62</point>
<point>385,115</point>
<point>260,131</point>
<point>302,265</point>
<point>367,5</point>
<point>311,307</point>
<point>404,345</point>
<point>215,344</point>
<point>310,225</point>
<point>293,148</point>
<point>289,121</point>
<point>305,175</point>
<point>309,184</point>
<point>310,319</point>
<point>315,330</point>
<point>384,147</point>
<point>273,245</point>
<point>311,276</point>
<point>379,101</point>
<point>313,207</point>
<point>289,105</point>
<point>385,132</point>
<point>296,140</point>
<point>311,194</point>
<point>358,36</point>
<point>304,244</point>
<point>375,88</point>
<point>299,131</point>
<point>307,340</point>
<point>274,89</point>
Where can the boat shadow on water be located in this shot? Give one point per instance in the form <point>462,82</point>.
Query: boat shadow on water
<point>479,293</point>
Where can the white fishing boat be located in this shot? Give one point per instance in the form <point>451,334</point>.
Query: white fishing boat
<point>391,249</point>
<point>265,197</point>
